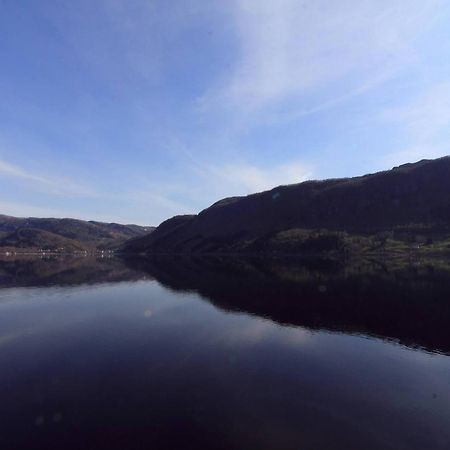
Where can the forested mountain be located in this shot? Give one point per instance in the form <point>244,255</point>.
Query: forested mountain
<point>408,204</point>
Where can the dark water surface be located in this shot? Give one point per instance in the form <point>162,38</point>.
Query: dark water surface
<point>224,354</point>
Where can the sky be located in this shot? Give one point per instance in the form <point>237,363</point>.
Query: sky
<point>133,111</point>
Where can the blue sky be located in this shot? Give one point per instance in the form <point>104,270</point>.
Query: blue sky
<point>136,110</point>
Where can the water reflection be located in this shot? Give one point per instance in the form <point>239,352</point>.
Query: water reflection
<point>62,271</point>
<point>100,355</point>
<point>405,301</point>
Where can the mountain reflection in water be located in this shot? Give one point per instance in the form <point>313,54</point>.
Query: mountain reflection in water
<point>178,352</point>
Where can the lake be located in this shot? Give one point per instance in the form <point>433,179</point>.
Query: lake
<point>224,353</point>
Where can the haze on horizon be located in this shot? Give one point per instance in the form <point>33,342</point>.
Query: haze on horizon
<point>134,111</point>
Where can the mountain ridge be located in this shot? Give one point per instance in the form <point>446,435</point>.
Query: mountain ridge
<point>408,200</point>
<point>63,235</point>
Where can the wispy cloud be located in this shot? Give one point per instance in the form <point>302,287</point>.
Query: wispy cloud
<point>292,48</point>
<point>215,179</point>
<point>157,199</point>
<point>50,184</point>
<point>243,178</point>
<point>248,179</point>
<point>15,171</point>
<point>425,120</point>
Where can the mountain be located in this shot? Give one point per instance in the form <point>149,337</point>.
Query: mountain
<point>408,205</point>
<point>64,235</point>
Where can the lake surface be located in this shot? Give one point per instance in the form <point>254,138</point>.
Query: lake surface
<point>224,353</point>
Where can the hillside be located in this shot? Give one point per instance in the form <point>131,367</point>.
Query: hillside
<point>64,235</point>
<point>407,205</point>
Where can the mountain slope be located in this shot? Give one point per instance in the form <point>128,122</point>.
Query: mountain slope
<point>411,199</point>
<point>68,234</point>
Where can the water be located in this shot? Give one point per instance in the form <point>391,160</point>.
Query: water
<point>224,354</point>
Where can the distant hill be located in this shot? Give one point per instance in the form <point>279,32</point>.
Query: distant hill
<point>64,235</point>
<point>407,205</point>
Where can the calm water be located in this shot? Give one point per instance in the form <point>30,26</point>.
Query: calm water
<point>224,354</point>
